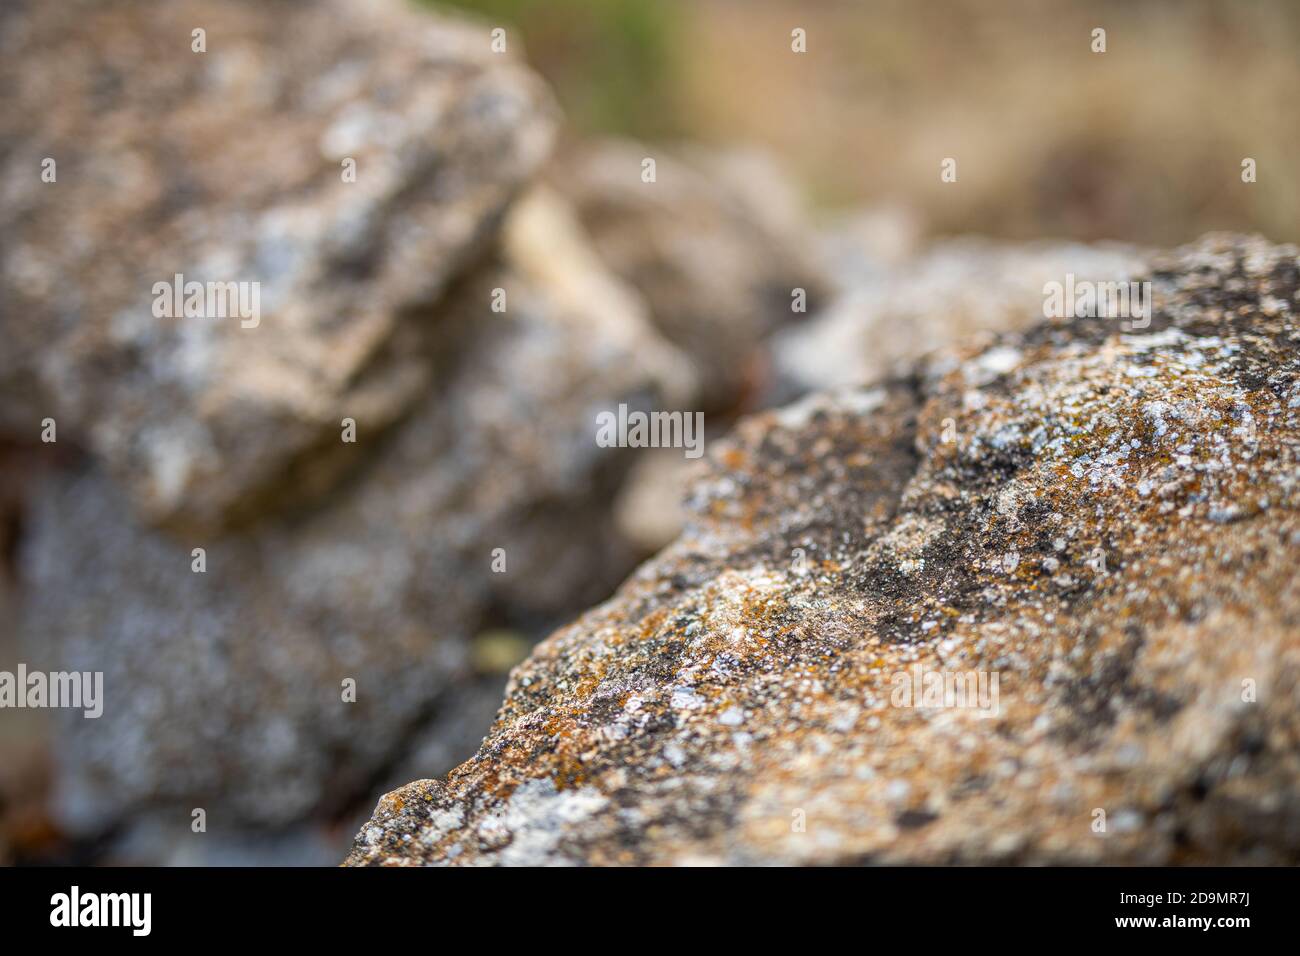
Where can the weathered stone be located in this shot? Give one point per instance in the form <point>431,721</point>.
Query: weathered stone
<point>224,689</point>
<point>229,166</point>
<point>649,509</point>
<point>1107,521</point>
<point>888,314</point>
<point>716,245</point>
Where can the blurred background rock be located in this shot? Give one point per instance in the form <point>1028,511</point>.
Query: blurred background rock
<point>776,171</point>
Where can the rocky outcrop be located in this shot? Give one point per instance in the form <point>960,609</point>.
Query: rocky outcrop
<point>1103,521</point>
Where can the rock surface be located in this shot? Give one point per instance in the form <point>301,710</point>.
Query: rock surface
<point>887,314</point>
<point>716,245</point>
<point>1105,521</point>
<point>228,166</point>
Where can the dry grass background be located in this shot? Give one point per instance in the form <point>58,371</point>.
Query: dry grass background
<point>1142,143</point>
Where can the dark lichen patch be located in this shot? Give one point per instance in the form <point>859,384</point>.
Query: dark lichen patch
<point>915,819</point>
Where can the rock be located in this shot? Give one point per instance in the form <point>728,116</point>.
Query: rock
<point>224,689</point>
<point>1105,522</point>
<point>25,764</point>
<point>889,313</point>
<point>230,165</point>
<point>716,245</point>
<point>153,842</point>
<point>441,744</point>
<point>648,511</point>
<point>863,245</point>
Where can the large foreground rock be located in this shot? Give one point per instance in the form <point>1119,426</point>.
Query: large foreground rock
<point>1106,521</point>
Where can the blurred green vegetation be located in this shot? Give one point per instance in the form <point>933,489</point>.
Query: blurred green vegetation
<point>611,62</point>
